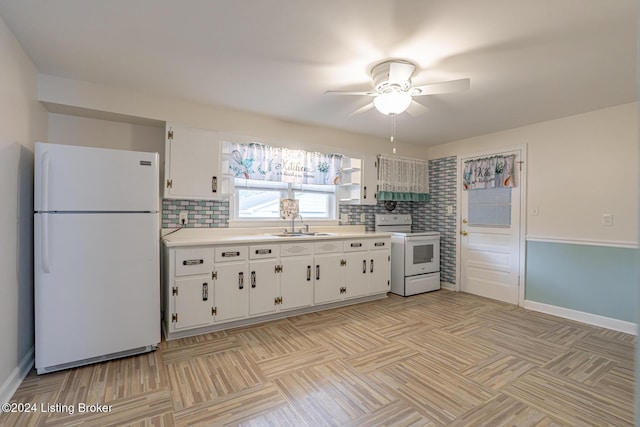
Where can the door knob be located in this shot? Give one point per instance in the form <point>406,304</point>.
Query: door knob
<point>464,233</point>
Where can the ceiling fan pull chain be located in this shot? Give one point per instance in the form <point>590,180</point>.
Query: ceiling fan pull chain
<point>393,132</point>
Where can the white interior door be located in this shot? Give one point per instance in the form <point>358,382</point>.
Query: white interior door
<point>490,227</point>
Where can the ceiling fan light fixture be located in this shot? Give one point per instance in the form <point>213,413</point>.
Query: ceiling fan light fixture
<point>392,102</point>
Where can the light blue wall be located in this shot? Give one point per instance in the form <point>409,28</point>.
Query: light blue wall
<point>593,279</point>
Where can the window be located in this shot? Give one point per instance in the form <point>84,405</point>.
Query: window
<point>490,207</point>
<point>260,200</point>
<point>262,175</point>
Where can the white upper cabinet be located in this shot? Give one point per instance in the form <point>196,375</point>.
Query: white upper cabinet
<point>360,181</point>
<point>193,163</point>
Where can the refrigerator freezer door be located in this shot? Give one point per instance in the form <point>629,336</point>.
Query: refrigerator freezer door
<point>97,288</point>
<point>85,179</point>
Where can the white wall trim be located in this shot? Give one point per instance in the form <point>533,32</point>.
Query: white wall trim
<point>587,242</point>
<point>449,286</point>
<point>581,316</point>
<point>14,380</point>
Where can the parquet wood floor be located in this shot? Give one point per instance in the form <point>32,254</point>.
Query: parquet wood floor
<point>435,359</point>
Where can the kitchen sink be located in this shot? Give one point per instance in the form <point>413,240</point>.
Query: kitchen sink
<point>310,234</point>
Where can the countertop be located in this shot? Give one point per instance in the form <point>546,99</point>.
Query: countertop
<point>211,236</point>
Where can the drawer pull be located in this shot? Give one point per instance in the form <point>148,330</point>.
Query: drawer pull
<point>192,261</point>
<point>356,245</point>
<point>378,244</point>
<point>230,254</point>
<point>263,251</point>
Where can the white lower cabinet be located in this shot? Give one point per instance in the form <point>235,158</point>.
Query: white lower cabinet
<point>296,276</point>
<point>212,285</point>
<point>368,266</point>
<point>231,293</point>
<point>192,303</point>
<point>356,279</point>
<point>329,271</point>
<point>281,277</point>
<point>379,266</point>
<point>189,298</point>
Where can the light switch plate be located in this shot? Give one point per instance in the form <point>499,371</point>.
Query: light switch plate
<point>607,220</point>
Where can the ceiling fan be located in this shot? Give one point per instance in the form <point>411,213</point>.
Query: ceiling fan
<point>393,91</point>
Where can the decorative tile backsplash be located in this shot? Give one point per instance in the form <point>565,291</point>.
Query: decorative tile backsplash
<point>201,213</point>
<point>442,191</point>
<point>429,216</point>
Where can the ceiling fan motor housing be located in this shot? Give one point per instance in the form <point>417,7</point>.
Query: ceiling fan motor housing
<point>381,82</point>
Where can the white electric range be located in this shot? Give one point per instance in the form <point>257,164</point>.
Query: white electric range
<point>415,256</point>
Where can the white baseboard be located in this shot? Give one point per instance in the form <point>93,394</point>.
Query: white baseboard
<point>449,286</point>
<point>580,316</point>
<point>11,384</point>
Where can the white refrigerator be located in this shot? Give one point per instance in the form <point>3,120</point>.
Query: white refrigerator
<point>96,255</point>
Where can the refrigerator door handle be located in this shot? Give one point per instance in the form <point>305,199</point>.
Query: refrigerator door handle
<point>44,182</point>
<point>44,244</point>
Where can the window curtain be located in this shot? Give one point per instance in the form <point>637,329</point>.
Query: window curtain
<point>403,179</point>
<point>489,172</point>
<point>267,163</point>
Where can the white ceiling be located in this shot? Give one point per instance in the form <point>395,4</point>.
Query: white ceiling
<point>528,60</point>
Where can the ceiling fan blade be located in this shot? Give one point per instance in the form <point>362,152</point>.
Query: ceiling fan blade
<point>400,72</point>
<point>362,109</point>
<point>451,86</point>
<point>416,109</point>
<point>346,92</point>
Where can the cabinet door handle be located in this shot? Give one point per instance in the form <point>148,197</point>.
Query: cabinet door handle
<point>241,280</point>
<point>205,291</point>
<point>365,192</point>
<point>317,272</point>
<point>364,266</point>
<point>308,273</point>
<point>253,279</point>
<point>214,184</point>
<point>371,271</point>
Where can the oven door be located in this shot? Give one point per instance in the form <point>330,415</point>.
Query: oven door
<point>422,255</point>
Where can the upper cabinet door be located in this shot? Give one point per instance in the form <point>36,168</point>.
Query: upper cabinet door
<point>359,181</point>
<point>369,180</point>
<point>192,168</point>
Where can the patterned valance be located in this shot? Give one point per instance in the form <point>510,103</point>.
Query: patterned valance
<point>403,179</point>
<point>489,172</point>
<point>267,163</point>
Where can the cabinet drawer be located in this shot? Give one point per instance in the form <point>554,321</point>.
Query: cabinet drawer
<point>264,251</point>
<point>377,244</point>
<point>194,261</point>
<point>356,245</point>
<point>231,253</point>
<point>294,249</point>
<point>328,246</point>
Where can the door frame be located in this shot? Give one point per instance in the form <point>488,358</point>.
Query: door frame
<point>523,211</point>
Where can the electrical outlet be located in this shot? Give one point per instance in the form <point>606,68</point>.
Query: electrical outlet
<point>449,210</point>
<point>607,220</point>
<point>363,217</point>
<point>344,218</point>
<point>184,220</point>
<point>535,211</point>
